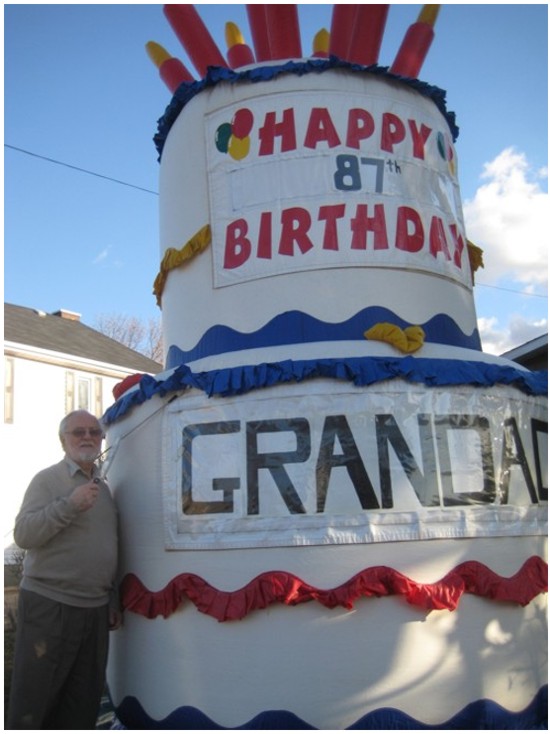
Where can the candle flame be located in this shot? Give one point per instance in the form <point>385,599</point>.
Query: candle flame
<point>233,35</point>
<point>428,14</point>
<point>157,53</point>
<point>321,41</point>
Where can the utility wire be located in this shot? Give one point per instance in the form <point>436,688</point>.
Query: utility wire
<point>510,290</point>
<point>148,191</point>
<point>76,168</point>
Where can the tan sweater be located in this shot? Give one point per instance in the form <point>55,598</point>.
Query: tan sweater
<point>71,556</point>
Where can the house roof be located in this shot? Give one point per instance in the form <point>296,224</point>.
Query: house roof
<point>63,332</point>
<point>533,354</point>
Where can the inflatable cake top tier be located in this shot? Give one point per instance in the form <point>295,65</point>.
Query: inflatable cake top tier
<point>310,203</point>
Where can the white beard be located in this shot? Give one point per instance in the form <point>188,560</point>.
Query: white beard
<point>87,455</point>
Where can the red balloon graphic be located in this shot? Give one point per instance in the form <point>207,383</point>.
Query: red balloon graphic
<point>242,122</point>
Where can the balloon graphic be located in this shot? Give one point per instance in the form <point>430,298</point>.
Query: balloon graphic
<point>446,151</point>
<point>242,122</point>
<point>223,135</point>
<point>239,148</point>
<point>441,145</point>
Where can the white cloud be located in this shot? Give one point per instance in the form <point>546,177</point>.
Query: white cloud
<point>497,340</point>
<point>101,257</point>
<point>508,219</point>
<point>105,258</point>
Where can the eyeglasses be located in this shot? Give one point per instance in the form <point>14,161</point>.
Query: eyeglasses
<point>81,432</point>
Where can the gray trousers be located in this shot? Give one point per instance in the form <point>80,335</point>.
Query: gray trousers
<point>59,666</point>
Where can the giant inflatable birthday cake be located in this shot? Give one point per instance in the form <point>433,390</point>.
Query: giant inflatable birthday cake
<point>332,502</point>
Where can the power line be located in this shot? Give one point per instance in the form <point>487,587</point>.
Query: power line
<point>76,168</point>
<point>511,290</point>
<point>148,191</point>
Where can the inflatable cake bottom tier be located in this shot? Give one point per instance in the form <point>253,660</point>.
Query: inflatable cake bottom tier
<point>323,553</point>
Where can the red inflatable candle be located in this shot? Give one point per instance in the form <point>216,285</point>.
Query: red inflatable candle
<point>370,22</point>
<point>416,44</point>
<point>194,36</point>
<point>238,53</point>
<point>171,70</point>
<point>258,28</point>
<point>283,31</point>
<point>341,29</point>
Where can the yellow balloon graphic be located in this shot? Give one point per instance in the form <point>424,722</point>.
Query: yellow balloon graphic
<point>238,148</point>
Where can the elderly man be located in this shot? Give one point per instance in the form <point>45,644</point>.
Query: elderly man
<point>68,525</point>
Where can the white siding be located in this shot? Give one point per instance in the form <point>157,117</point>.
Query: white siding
<point>30,442</point>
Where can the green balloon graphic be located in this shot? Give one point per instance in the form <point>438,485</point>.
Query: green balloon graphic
<point>223,133</point>
<point>441,146</point>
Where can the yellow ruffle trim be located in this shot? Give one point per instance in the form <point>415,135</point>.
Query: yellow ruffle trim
<point>175,258</point>
<point>407,340</point>
<point>475,256</point>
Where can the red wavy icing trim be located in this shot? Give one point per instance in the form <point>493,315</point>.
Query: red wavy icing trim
<point>470,577</point>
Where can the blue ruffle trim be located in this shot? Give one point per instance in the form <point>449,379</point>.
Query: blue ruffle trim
<point>361,371</point>
<point>215,74</point>
<point>481,714</point>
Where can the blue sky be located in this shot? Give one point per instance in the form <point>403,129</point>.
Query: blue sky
<point>80,89</point>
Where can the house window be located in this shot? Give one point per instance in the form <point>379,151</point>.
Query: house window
<point>80,393</point>
<point>8,389</point>
<point>98,396</point>
<point>69,392</point>
<point>83,392</point>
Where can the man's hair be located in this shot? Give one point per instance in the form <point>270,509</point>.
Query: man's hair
<point>66,419</point>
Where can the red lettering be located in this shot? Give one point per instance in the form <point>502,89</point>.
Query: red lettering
<point>295,227</point>
<point>458,241</point>
<point>409,241</point>
<point>264,236</point>
<point>361,224</point>
<point>299,233</point>
<point>393,131</point>
<point>285,129</point>
<point>320,128</point>
<point>330,214</point>
<point>419,138</point>
<point>237,244</point>
<point>438,241</point>
<point>360,127</point>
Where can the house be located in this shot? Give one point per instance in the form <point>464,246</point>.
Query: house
<point>53,363</point>
<point>533,354</point>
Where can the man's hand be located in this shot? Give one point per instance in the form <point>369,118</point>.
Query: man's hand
<point>115,619</point>
<point>84,497</point>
